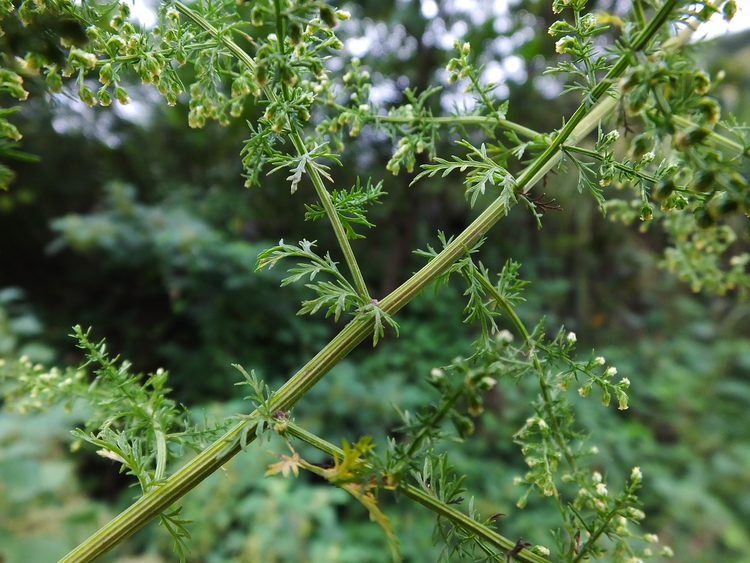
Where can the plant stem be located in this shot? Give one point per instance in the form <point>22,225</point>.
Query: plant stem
<point>330,209</point>
<point>719,140</point>
<point>546,396</point>
<point>618,165</point>
<point>458,120</point>
<point>425,499</point>
<point>641,41</point>
<point>640,18</point>
<point>154,502</point>
<point>296,138</point>
<point>436,417</point>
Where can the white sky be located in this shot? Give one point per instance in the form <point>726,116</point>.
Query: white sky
<point>717,26</point>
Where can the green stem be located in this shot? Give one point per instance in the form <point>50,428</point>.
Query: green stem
<point>457,120</point>
<point>161,453</point>
<point>425,499</point>
<point>546,396</point>
<point>718,140</point>
<point>330,209</point>
<point>152,503</point>
<point>617,70</point>
<point>618,165</point>
<point>325,198</point>
<point>437,417</point>
<point>640,18</point>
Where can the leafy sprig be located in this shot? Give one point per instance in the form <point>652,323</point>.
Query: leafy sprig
<point>350,206</point>
<point>483,170</point>
<point>299,164</point>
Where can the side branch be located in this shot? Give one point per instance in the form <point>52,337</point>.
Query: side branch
<point>296,138</point>
<point>425,499</point>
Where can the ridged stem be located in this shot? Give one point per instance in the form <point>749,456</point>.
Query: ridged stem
<point>155,501</point>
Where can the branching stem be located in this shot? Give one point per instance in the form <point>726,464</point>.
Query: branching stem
<point>154,502</point>
<point>546,395</point>
<point>425,499</point>
<point>296,138</point>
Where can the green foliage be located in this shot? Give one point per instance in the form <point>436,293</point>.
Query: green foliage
<point>350,206</point>
<point>683,158</point>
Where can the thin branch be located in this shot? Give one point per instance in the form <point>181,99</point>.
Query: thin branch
<point>317,181</point>
<point>458,120</point>
<point>425,499</point>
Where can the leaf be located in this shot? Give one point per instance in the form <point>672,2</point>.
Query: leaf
<point>299,164</point>
<point>350,206</point>
<point>369,501</point>
<point>381,319</point>
<point>284,466</point>
<point>337,295</point>
<point>584,181</point>
<point>338,299</point>
<point>483,170</point>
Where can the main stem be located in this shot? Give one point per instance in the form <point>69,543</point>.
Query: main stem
<point>155,501</point>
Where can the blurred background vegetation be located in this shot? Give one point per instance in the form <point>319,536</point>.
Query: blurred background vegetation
<point>140,227</point>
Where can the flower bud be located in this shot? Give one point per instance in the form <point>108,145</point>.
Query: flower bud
<point>295,33</point>
<point>104,98</point>
<point>729,10</point>
<point>115,45</point>
<point>463,424</point>
<point>240,87</point>
<point>664,189</point>
<point>121,96</point>
<point>235,109</point>
<point>9,130</point>
<point>475,405</point>
<point>288,76</point>
<point>693,135</point>
<point>701,82</point>
<point>10,77</point>
<point>328,16</point>
<point>256,16</point>
<point>87,96</point>
<point>636,100</point>
<point>105,74</point>
<point>727,206</point>
<point>560,26</point>
<point>564,44</point>
<point>640,145</point>
<point>261,75</point>
<point>703,181</point>
<point>703,218</point>
<point>196,118</point>
<point>54,82</point>
<point>622,399</point>
<point>487,383</point>
<point>709,110</point>
<point>87,60</point>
